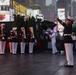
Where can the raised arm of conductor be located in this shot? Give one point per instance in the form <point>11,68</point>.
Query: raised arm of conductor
<point>60,21</point>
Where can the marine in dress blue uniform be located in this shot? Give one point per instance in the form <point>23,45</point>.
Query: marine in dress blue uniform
<point>31,40</point>
<point>3,38</point>
<point>22,40</point>
<point>10,40</point>
<point>68,42</point>
<point>14,41</point>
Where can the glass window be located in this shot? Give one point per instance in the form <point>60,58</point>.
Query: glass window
<point>0,7</point>
<point>4,8</point>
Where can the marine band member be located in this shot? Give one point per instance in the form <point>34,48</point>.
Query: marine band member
<point>10,40</point>
<point>31,39</point>
<point>2,38</point>
<point>22,40</point>
<point>14,41</point>
<point>68,42</point>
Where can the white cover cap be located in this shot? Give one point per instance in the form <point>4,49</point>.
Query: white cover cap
<point>22,28</point>
<point>2,24</point>
<point>14,28</point>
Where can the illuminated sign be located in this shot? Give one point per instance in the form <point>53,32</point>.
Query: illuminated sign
<point>4,2</point>
<point>30,12</point>
<point>19,8</point>
<point>61,13</point>
<point>4,16</point>
<point>11,14</point>
<point>40,16</point>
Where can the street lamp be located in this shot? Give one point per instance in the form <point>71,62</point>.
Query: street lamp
<point>71,8</point>
<point>56,7</point>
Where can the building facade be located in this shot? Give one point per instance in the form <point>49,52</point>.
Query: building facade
<point>47,9</point>
<point>4,10</point>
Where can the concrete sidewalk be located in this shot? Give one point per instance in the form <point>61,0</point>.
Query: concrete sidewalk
<point>35,64</point>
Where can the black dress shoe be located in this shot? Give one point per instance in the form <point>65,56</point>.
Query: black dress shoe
<point>68,65</point>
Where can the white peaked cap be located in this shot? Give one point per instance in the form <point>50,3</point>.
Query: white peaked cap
<point>70,18</point>
<point>3,24</point>
<point>22,27</point>
<point>30,27</point>
<point>14,28</point>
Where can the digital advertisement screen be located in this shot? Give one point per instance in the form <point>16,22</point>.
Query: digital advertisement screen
<point>4,16</point>
<point>5,2</point>
<point>30,12</point>
<point>61,13</point>
<point>11,14</point>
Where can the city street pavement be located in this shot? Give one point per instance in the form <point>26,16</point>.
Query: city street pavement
<point>35,64</point>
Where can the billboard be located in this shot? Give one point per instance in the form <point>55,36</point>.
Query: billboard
<point>61,13</point>
<point>11,11</point>
<point>48,2</point>
<point>40,16</point>
<point>30,12</point>
<point>5,2</point>
<point>4,16</point>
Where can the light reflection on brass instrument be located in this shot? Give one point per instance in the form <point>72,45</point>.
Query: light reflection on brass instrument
<point>12,34</point>
<point>23,34</point>
<point>2,34</point>
<point>31,32</point>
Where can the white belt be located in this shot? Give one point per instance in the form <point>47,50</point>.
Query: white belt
<point>67,34</point>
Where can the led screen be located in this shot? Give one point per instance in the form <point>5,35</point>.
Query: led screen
<point>4,2</point>
<point>61,13</point>
<point>4,16</point>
